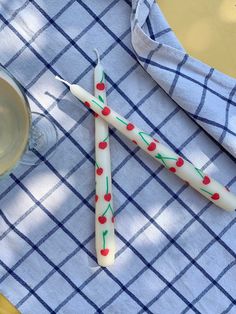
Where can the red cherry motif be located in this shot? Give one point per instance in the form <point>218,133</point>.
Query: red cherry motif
<point>104,252</point>
<point>215,196</point>
<point>113,219</point>
<point>99,171</point>
<point>134,142</point>
<point>106,111</point>
<point>96,198</point>
<point>87,104</point>
<point>107,197</point>
<point>102,219</point>
<point>179,162</point>
<point>100,86</point>
<point>95,114</point>
<point>102,145</point>
<point>130,127</point>
<point>206,180</point>
<point>152,146</point>
<point>172,169</point>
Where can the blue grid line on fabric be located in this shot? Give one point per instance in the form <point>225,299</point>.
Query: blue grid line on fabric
<point>149,25</point>
<point>232,94</point>
<point>77,166</point>
<point>184,205</point>
<point>149,56</point>
<point>96,18</point>
<point>79,36</point>
<point>48,66</point>
<point>163,32</point>
<point>19,52</point>
<point>65,136</point>
<point>31,168</point>
<point>187,77</point>
<point>193,261</point>
<point>202,101</point>
<point>123,206</point>
<point>14,15</point>
<point>43,239</point>
<point>211,122</point>
<point>161,252</point>
<point>108,79</point>
<point>201,253</point>
<point>227,268</point>
<point>179,66</point>
<point>160,276</point>
<point>44,256</point>
<point>107,29</point>
<point>77,241</point>
<point>148,5</point>
<point>68,257</point>
<point>227,309</point>
<point>204,210</point>
<point>26,286</point>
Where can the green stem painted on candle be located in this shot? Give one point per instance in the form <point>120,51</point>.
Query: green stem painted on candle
<point>107,185</point>
<point>143,138</point>
<point>96,164</point>
<point>159,156</point>
<point>163,158</point>
<point>97,104</point>
<point>106,138</point>
<point>108,208</point>
<point>122,121</point>
<point>104,234</point>
<point>206,191</point>
<point>103,77</point>
<point>199,172</point>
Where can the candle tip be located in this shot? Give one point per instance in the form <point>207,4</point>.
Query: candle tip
<point>61,80</point>
<point>97,53</point>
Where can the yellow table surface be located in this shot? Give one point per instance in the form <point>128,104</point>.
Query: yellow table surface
<point>206,29</point>
<point>6,307</point>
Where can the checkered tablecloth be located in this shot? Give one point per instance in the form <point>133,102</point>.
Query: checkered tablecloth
<point>175,250</point>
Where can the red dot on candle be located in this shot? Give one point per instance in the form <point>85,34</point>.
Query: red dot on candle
<point>106,111</point>
<point>100,86</point>
<point>87,104</point>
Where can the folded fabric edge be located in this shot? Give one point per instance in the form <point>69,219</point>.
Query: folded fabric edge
<point>177,55</point>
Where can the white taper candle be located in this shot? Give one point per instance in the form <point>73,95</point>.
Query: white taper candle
<point>205,185</point>
<point>104,214</point>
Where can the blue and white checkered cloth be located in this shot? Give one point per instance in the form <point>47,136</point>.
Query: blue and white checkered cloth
<point>175,250</point>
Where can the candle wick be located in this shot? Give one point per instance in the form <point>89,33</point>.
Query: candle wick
<point>98,56</point>
<point>63,81</point>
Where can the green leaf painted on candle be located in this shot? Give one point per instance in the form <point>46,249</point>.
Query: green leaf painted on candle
<point>105,233</point>
<point>100,98</point>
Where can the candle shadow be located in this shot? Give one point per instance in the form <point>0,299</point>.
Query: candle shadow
<point>68,107</point>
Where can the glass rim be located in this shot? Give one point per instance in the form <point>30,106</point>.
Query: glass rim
<point>26,102</point>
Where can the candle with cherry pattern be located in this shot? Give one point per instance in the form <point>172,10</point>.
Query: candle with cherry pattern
<point>104,215</point>
<point>205,185</point>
